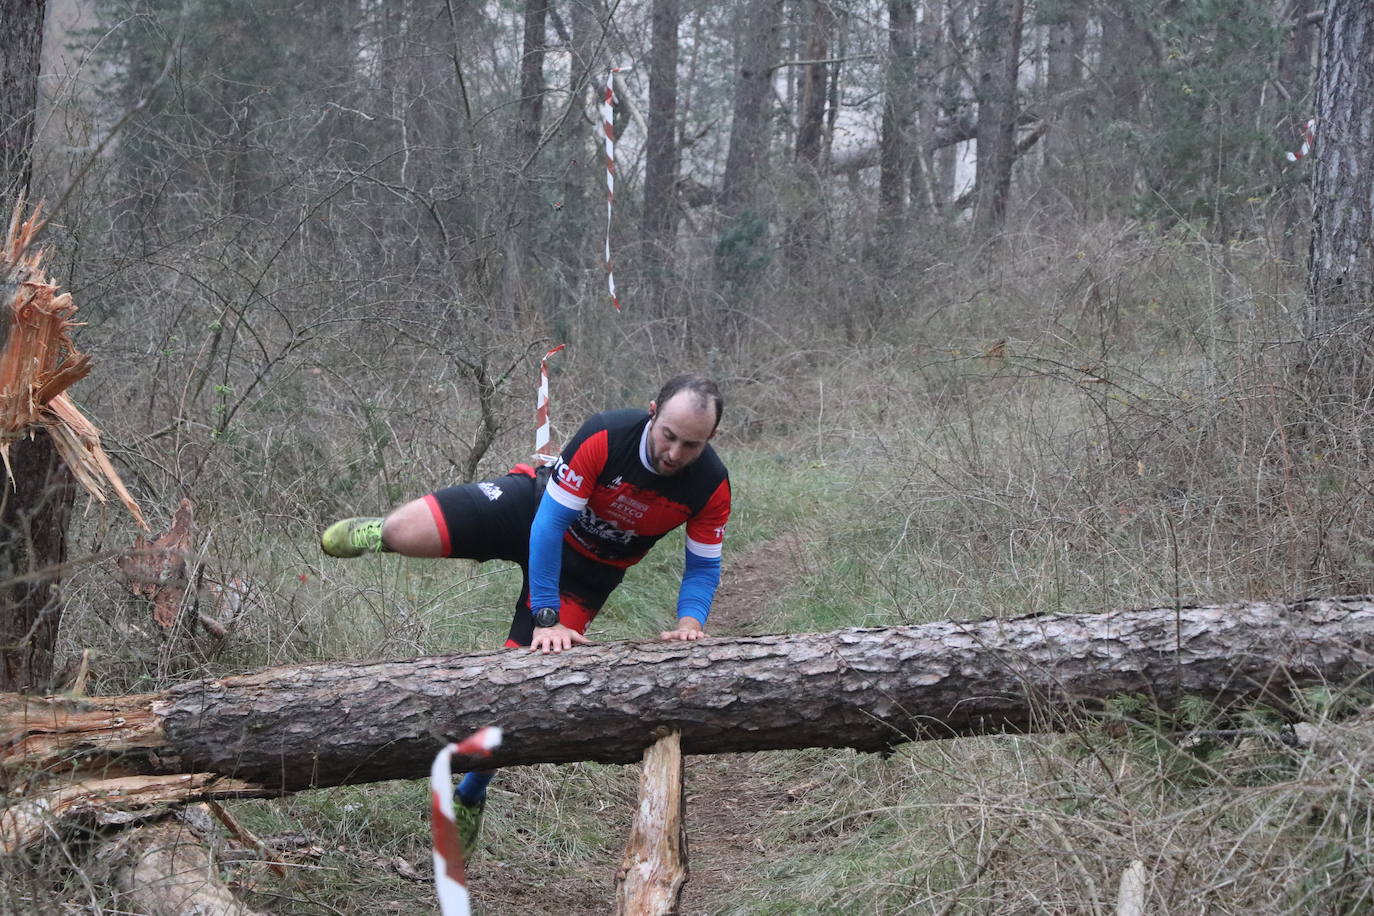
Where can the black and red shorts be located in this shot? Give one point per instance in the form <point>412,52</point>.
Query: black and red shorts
<point>491,519</point>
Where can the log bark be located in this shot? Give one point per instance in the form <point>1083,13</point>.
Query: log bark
<point>329,724</point>
<point>654,867</point>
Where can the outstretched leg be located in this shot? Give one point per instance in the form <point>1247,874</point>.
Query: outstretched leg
<point>413,530</point>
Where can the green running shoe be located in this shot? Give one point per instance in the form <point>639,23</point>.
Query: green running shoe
<point>468,819</point>
<point>353,537</point>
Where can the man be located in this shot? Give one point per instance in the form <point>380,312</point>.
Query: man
<point>626,479</point>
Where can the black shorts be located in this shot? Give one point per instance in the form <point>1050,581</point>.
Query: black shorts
<point>491,519</point>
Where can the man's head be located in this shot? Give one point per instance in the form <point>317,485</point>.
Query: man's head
<point>682,419</point>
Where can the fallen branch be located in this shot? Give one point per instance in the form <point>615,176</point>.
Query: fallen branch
<point>108,802</point>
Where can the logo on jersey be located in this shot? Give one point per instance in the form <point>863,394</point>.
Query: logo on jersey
<point>492,491</point>
<point>627,508</point>
<point>568,476</point>
<point>617,482</point>
<point>603,529</point>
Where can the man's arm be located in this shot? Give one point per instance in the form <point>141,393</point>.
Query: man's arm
<point>700,578</point>
<point>701,570</point>
<point>551,522</point>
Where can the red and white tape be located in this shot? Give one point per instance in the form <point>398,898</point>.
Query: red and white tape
<point>1309,138</point>
<point>608,129</point>
<point>450,879</point>
<point>544,451</point>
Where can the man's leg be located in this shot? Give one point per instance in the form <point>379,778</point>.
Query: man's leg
<point>416,529</point>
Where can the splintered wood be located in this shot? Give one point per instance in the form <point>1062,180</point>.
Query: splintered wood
<point>39,362</point>
<point>654,867</point>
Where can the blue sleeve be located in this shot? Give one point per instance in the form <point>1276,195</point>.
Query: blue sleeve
<point>700,577</point>
<point>546,550</point>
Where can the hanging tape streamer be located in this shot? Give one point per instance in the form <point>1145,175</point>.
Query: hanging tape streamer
<point>543,450</point>
<point>450,879</point>
<point>608,128</point>
<point>1309,137</point>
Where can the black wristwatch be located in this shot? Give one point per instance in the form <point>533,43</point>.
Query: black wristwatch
<point>546,617</point>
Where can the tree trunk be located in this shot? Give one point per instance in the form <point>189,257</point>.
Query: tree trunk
<point>1341,270</point>
<point>328,724</point>
<point>580,218</point>
<point>33,547</point>
<point>895,156</point>
<point>806,228</point>
<point>532,77</point>
<point>660,152</point>
<point>760,28</point>
<point>1296,76</point>
<point>1064,71</point>
<point>999,55</point>
<point>34,511</point>
<point>21,41</point>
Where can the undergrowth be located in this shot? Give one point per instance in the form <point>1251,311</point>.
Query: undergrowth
<point>1096,422</point>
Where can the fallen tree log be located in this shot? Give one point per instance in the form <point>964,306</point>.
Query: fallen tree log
<point>295,727</point>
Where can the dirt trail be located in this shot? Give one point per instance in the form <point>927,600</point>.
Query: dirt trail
<point>731,798</point>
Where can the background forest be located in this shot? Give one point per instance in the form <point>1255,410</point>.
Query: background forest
<point>1010,302</point>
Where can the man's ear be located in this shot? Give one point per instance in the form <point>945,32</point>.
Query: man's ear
<point>653,408</point>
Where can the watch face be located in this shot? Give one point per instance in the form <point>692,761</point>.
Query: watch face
<point>545,617</point>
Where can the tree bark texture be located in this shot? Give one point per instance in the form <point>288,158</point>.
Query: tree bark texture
<point>894,144</point>
<point>33,546</point>
<point>1067,35</point>
<point>871,689</point>
<point>1341,272</point>
<point>21,41</point>
<point>760,28</point>
<point>532,77</point>
<point>999,56</point>
<point>34,511</point>
<point>806,229</point>
<point>660,152</point>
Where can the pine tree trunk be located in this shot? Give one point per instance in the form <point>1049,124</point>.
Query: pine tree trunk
<point>21,41</point>
<point>806,228</point>
<point>660,153</point>
<point>895,153</point>
<point>1341,270</point>
<point>328,724</point>
<point>34,511</point>
<point>999,54</point>
<point>33,547</point>
<point>760,28</point>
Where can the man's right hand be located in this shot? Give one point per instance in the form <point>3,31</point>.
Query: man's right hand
<point>556,639</point>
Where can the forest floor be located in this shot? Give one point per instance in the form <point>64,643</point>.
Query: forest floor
<point>733,800</point>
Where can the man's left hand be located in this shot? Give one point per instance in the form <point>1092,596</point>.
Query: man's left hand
<point>687,628</point>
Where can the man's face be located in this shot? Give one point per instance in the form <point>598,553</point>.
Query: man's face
<point>679,431</point>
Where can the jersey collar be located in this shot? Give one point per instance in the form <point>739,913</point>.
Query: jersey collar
<point>644,450</point>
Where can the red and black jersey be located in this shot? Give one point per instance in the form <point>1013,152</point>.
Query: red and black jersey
<point>624,507</point>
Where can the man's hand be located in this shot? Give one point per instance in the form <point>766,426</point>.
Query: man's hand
<point>687,628</point>
<point>555,639</point>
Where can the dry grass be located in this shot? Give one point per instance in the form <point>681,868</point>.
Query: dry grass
<point>1076,422</point>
